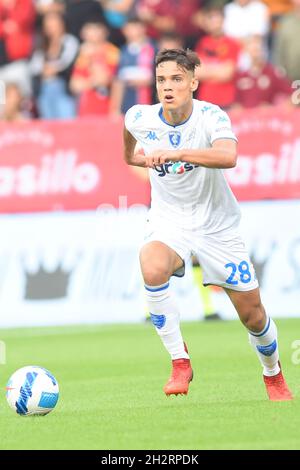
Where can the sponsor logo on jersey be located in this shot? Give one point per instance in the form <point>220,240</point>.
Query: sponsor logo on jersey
<point>137,116</point>
<point>152,136</point>
<point>221,129</point>
<point>206,108</point>
<point>222,119</point>
<point>192,135</point>
<point>174,168</point>
<point>175,138</point>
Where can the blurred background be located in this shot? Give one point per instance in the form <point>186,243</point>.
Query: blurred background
<point>72,213</point>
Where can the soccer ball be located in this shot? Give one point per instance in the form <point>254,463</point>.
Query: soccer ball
<point>32,391</point>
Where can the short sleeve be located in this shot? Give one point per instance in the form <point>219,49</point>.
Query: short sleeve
<point>132,118</point>
<point>218,125</point>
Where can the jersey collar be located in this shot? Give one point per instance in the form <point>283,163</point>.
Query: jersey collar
<point>160,113</point>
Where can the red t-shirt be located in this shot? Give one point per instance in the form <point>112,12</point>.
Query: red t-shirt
<point>95,101</point>
<point>217,50</point>
<point>18,42</point>
<point>264,87</point>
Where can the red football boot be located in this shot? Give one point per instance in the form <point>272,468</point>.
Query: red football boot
<point>277,388</point>
<point>182,375</point>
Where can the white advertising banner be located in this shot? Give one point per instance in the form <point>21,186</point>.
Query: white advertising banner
<point>82,267</point>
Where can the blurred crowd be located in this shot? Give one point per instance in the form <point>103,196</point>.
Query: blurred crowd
<point>61,59</point>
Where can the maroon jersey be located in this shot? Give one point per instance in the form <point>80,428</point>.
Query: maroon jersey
<point>253,89</point>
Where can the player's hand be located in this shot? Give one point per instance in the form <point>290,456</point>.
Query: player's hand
<point>159,157</point>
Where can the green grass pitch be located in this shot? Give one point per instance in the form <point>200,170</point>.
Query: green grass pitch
<point>111,380</point>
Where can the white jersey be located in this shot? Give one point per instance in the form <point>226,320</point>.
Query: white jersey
<point>188,195</point>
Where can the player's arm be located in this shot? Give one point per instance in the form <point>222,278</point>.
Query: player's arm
<point>222,154</point>
<point>132,157</point>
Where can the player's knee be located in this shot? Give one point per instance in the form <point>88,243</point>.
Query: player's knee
<point>254,318</point>
<point>155,275</point>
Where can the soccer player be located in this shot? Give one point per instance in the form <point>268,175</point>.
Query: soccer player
<point>186,144</point>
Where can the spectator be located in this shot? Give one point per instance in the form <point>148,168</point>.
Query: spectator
<point>13,109</point>
<point>277,8</point>
<point>219,56</point>
<point>117,13</point>
<point>17,19</point>
<point>51,67</point>
<point>94,70</point>
<point>171,40</point>
<point>164,16</point>
<point>244,18</point>
<point>47,6</point>
<point>287,43</point>
<point>262,84</point>
<point>80,12</point>
<point>134,78</point>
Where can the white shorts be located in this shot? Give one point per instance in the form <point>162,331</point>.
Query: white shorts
<point>222,256</point>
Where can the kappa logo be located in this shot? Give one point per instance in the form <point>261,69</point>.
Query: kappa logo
<point>152,136</point>
<point>175,138</point>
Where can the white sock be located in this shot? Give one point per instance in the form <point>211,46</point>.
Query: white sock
<point>165,317</point>
<point>265,344</point>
